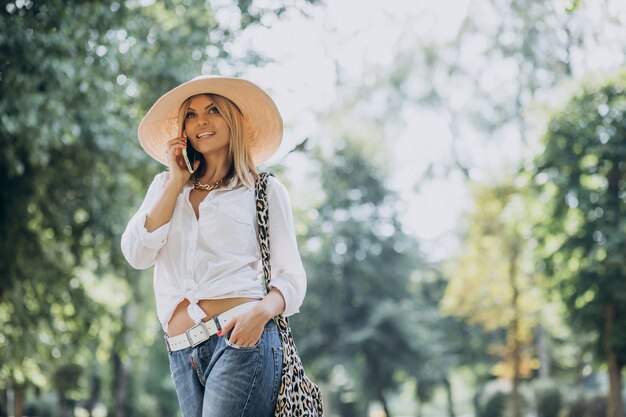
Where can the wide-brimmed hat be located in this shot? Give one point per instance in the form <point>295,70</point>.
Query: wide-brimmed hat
<point>262,123</point>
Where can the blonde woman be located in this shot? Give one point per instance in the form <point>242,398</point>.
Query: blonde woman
<point>199,231</point>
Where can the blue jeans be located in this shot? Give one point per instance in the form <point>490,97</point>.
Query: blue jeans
<point>216,379</point>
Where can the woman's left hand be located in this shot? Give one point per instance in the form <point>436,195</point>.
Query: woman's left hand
<point>247,328</point>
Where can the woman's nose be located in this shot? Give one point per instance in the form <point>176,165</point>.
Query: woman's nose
<point>202,120</point>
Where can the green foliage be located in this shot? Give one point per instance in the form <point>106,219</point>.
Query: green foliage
<point>66,377</point>
<point>493,283</point>
<point>597,406</point>
<point>575,4</point>
<point>43,406</point>
<point>577,408</point>
<point>495,406</point>
<point>492,403</point>
<point>74,80</point>
<point>583,173</point>
<point>588,407</point>
<point>364,310</point>
<point>549,401</point>
<point>157,384</point>
<point>57,173</point>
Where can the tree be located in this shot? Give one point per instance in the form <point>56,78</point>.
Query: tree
<point>494,284</point>
<point>362,313</point>
<point>74,79</point>
<point>582,175</point>
<point>58,171</point>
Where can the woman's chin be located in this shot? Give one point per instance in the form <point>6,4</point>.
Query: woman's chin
<point>210,152</point>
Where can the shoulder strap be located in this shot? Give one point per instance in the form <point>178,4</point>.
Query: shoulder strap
<point>262,217</point>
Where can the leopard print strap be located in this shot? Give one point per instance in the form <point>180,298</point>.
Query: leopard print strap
<point>262,217</point>
<point>298,395</point>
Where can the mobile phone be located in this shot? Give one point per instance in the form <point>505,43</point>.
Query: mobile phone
<point>189,167</point>
<point>185,157</point>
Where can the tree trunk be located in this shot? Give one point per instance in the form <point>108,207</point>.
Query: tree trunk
<point>15,394</point>
<point>448,386</point>
<point>542,352</point>
<point>120,386</point>
<point>20,391</point>
<point>121,367</point>
<point>94,395</point>
<point>580,366</point>
<point>514,334</point>
<point>10,399</point>
<point>383,401</point>
<point>615,406</point>
<point>65,406</point>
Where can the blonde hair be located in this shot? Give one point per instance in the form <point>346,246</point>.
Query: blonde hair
<point>241,163</point>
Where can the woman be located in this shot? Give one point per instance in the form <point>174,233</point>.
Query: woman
<point>199,232</point>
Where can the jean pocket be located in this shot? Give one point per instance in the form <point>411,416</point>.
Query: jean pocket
<point>234,346</point>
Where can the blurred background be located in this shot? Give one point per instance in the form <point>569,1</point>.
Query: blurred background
<point>458,178</point>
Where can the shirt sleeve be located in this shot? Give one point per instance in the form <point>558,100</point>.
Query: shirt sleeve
<point>140,247</point>
<point>288,274</point>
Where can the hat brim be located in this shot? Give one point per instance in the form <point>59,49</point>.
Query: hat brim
<point>262,123</point>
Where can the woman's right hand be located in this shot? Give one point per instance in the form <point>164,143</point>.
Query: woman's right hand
<point>175,180</point>
<point>176,163</point>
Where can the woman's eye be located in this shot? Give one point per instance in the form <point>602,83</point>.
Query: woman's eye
<point>213,110</point>
<point>189,115</point>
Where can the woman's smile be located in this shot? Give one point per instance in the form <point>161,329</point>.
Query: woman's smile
<point>208,134</point>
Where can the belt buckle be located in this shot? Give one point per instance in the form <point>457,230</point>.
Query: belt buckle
<point>191,343</point>
<point>167,343</point>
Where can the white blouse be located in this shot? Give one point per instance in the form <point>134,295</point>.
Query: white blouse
<point>216,256</point>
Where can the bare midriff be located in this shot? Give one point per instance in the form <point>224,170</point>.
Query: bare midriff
<point>181,321</point>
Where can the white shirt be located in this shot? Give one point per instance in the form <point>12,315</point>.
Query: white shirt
<point>216,256</point>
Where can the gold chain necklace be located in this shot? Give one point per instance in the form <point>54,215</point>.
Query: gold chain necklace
<point>208,187</point>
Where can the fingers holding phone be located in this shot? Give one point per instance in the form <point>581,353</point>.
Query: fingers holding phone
<point>193,165</point>
<point>187,163</point>
<point>180,167</point>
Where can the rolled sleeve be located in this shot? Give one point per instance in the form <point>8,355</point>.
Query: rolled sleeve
<point>153,240</point>
<point>291,293</point>
<point>288,274</point>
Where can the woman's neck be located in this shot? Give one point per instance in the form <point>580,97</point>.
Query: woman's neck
<point>216,169</point>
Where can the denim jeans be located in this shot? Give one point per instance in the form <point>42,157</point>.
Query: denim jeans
<point>217,379</point>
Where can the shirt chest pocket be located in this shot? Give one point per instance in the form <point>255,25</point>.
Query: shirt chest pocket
<point>231,228</point>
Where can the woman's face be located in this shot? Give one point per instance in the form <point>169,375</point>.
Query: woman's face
<point>205,127</point>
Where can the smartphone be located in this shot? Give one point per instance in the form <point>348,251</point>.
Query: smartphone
<point>189,167</point>
<point>185,157</point>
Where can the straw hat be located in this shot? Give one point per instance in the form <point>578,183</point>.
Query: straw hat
<point>262,123</point>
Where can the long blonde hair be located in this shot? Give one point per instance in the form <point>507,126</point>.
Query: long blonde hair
<point>241,163</point>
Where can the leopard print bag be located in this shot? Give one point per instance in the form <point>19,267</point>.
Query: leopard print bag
<point>298,395</point>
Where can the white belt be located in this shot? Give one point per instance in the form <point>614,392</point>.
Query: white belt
<point>203,330</point>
